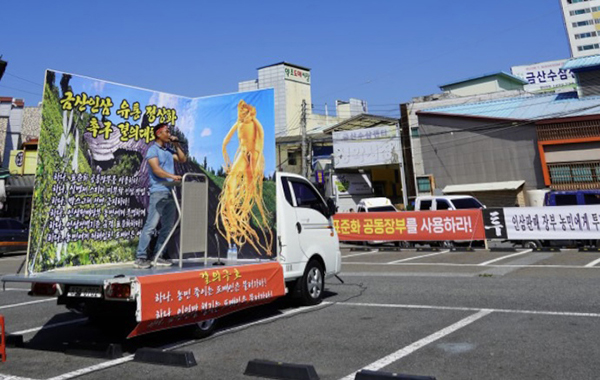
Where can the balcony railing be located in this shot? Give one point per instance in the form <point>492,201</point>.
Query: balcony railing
<point>575,176</point>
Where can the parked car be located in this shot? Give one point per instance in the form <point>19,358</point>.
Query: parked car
<point>13,236</point>
<point>447,202</point>
<point>377,204</point>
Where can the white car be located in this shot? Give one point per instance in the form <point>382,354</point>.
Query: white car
<point>378,204</point>
<point>447,202</point>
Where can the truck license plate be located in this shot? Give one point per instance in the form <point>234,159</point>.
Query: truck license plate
<point>85,291</point>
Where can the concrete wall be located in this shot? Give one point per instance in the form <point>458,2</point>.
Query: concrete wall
<point>458,156</point>
<point>32,122</point>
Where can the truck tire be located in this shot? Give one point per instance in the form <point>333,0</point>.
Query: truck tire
<point>312,284</point>
<point>532,244</point>
<point>204,328</point>
<point>446,244</point>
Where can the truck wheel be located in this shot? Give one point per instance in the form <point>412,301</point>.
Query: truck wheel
<point>312,284</point>
<point>204,328</point>
<point>532,244</point>
<point>447,244</point>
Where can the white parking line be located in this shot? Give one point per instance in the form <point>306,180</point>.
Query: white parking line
<point>592,264</point>
<point>472,265</point>
<point>458,308</point>
<point>418,257</point>
<point>362,253</point>
<point>45,327</point>
<point>506,257</point>
<point>26,303</point>
<point>125,359</point>
<point>385,361</point>
<point>17,289</point>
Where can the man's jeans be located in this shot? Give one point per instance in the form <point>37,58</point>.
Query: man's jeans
<point>160,208</point>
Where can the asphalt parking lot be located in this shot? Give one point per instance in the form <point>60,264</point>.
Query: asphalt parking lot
<point>452,314</point>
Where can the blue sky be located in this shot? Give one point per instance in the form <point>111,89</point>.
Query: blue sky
<point>385,52</point>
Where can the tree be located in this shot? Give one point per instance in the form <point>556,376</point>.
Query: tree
<point>64,83</point>
<point>205,163</point>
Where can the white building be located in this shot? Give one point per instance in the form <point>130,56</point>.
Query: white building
<point>292,85</point>
<point>582,21</point>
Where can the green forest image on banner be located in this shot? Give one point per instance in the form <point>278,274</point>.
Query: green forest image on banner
<point>92,187</point>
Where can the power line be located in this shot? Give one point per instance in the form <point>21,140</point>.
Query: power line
<point>20,90</point>
<point>23,79</point>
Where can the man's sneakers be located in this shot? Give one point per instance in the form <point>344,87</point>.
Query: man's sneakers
<point>146,264</point>
<point>163,263</point>
<point>142,264</point>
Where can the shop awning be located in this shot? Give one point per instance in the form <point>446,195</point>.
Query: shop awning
<point>487,186</point>
<point>20,184</point>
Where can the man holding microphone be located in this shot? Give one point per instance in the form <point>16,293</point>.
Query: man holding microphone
<point>162,205</point>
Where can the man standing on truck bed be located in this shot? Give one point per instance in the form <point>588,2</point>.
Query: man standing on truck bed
<point>161,206</point>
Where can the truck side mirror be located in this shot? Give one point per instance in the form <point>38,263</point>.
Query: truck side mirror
<point>331,207</point>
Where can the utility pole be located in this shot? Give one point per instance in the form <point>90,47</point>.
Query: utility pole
<point>303,168</point>
<point>401,167</point>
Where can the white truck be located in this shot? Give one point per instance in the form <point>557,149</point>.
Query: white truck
<point>307,254</point>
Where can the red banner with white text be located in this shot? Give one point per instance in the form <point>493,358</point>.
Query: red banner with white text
<point>183,298</point>
<point>410,226</point>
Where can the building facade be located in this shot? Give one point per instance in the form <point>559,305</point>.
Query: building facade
<point>582,23</point>
<point>19,133</point>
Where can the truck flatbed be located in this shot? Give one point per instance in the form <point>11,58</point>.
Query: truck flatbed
<point>98,274</point>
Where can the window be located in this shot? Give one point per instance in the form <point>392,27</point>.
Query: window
<point>424,184</point>
<point>588,47</point>
<point>591,199</point>
<point>565,199</point>
<point>425,205</point>
<point>585,35</point>
<point>286,190</point>
<point>414,132</point>
<point>382,209</point>
<point>307,196</point>
<point>583,23</point>
<point>442,205</point>
<point>292,158</point>
<point>466,203</point>
<point>580,11</point>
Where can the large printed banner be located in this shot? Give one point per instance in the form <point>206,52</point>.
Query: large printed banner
<point>410,226</point>
<point>366,147</point>
<point>178,299</point>
<point>543,223</point>
<point>91,189</point>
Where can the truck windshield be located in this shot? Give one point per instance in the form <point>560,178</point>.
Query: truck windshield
<point>382,209</point>
<point>466,203</point>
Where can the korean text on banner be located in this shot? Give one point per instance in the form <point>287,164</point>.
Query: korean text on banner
<point>178,299</point>
<point>543,223</point>
<point>410,226</point>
